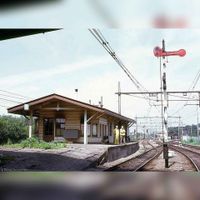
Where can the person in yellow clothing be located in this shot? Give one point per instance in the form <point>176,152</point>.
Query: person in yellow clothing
<point>116,135</point>
<point>122,135</point>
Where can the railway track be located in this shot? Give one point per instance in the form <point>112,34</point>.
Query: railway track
<point>193,156</point>
<point>137,163</point>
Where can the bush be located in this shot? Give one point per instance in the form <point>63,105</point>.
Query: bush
<point>36,143</point>
<point>12,129</point>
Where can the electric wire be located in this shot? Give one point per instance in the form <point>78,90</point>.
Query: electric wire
<point>191,88</point>
<point>16,94</point>
<point>101,39</point>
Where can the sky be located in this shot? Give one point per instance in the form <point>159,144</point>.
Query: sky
<point>71,58</point>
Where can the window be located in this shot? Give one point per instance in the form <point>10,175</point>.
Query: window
<point>94,130</point>
<point>48,126</point>
<point>110,131</point>
<point>60,127</point>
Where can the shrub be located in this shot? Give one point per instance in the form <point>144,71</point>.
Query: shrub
<point>36,143</point>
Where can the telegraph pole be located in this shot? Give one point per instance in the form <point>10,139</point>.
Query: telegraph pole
<point>136,129</point>
<point>198,122</point>
<point>179,123</point>
<point>119,98</point>
<point>164,108</point>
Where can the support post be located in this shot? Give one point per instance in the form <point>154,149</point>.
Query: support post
<point>165,117</point>
<point>136,129</point>
<point>179,123</point>
<point>85,128</point>
<point>198,122</point>
<point>30,125</point>
<point>119,98</point>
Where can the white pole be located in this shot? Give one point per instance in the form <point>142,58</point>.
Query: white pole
<point>85,128</point>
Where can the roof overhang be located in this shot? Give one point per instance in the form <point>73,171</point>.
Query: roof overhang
<point>19,109</point>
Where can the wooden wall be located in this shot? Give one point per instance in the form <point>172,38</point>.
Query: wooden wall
<point>73,120</point>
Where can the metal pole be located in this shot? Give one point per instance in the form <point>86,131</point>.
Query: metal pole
<point>179,121</point>
<point>119,98</point>
<point>136,128</point>
<point>198,123</point>
<point>161,95</point>
<point>165,128</point>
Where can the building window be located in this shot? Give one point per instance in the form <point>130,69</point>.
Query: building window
<point>60,127</point>
<point>110,131</point>
<point>100,130</point>
<point>94,129</point>
<point>48,126</point>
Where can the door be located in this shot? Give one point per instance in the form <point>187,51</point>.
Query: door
<point>48,129</point>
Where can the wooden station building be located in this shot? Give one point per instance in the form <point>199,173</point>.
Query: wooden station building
<point>55,117</point>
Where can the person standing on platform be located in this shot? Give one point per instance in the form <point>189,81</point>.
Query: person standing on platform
<point>116,135</point>
<point>122,135</point>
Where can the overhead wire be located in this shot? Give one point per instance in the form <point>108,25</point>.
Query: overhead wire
<point>191,88</point>
<point>15,94</point>
<point>101,39</point>
<point>8,100</point>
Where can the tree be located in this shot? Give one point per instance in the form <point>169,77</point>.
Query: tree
<point>12,129</point>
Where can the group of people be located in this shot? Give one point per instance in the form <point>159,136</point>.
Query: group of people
<point>119,135</point>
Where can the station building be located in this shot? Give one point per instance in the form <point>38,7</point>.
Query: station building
<point>58,118</point>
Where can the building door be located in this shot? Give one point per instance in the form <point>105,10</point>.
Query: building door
<point>48,129</point>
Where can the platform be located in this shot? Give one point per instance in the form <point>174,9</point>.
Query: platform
<point>76,157</point>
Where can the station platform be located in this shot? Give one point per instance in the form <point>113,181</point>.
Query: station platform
<point>76,157</point>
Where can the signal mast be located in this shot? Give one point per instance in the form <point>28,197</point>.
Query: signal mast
<point>162,54</point>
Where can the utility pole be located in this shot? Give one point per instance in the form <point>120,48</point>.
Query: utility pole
<point>119,98</point>
<point>136,129</point>
<point>179,123</point>
<point>198,122</point>
<point>164,108</point>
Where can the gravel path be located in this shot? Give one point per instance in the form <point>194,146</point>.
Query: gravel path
<point>177,163</point>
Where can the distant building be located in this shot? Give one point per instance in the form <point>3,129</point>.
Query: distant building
<point>55,117</point>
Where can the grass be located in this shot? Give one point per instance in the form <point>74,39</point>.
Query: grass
<point>36,143</point>
<point>192,142</point>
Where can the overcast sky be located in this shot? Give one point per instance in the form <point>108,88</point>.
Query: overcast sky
<point>59,62</point>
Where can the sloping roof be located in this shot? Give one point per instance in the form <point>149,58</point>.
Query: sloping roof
<point>68,100</point>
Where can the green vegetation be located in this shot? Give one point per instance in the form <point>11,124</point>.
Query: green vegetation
<point>14,133</point>
<point>192,141</point>
<point>37,144</point>
<point>12,129</point>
